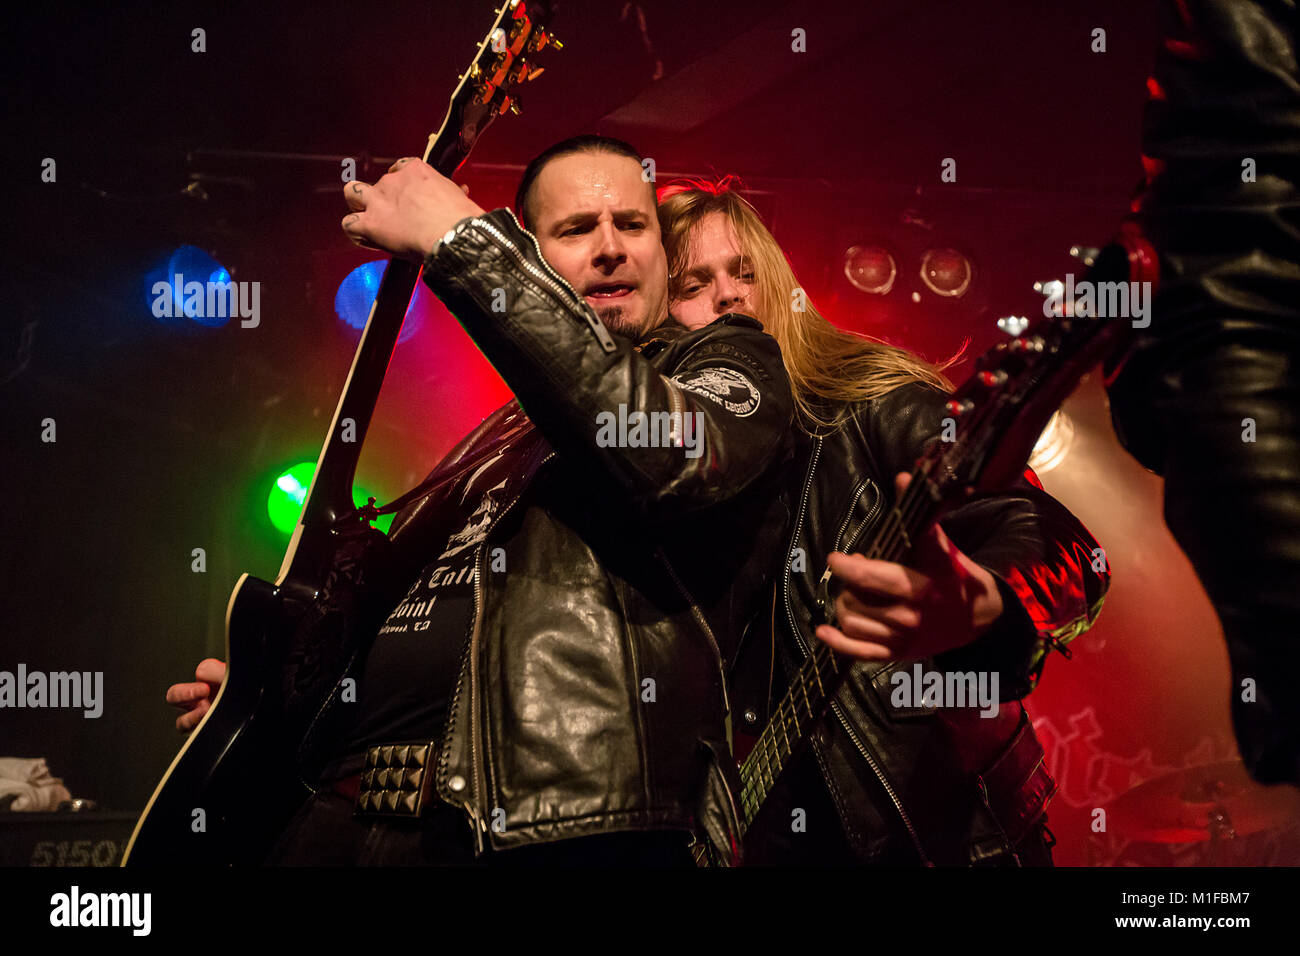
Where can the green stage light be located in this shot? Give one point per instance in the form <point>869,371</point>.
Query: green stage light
<point>284,504</point>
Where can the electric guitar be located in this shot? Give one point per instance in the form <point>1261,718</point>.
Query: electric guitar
<point>234,784</point>
<point>999,413</point>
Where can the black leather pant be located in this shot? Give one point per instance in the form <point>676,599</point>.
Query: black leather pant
<point>1210,395</point>
<point>1234,507</point>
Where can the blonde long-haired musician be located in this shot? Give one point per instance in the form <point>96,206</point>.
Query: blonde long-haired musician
<point>829,368</point>
<point>1003,580</point>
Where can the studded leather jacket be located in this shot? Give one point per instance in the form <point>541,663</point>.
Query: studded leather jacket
<point>915,784</point>
<point>617,567</point>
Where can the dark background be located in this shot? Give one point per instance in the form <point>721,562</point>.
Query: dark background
<point>168,437</point>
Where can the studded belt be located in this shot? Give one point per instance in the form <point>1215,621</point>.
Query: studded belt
<point>397,781</point>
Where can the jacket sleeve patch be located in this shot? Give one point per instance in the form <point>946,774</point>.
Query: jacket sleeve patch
<point>729,388</point>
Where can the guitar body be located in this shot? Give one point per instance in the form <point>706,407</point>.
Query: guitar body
<point>237,780</point>
<point>229,792</point>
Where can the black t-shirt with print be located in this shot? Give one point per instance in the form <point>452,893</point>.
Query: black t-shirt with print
<point>410,673</point>
<point>405,688</point>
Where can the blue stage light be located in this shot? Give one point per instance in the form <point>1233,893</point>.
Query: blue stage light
<point>170,303</point>
<point>357,293</point>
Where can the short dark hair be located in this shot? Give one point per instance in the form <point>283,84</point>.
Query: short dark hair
<point>588,143</point>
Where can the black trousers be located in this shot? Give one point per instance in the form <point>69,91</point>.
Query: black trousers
<point>1233,505</point>
<point>324,832</point>
<point>1210,395</point>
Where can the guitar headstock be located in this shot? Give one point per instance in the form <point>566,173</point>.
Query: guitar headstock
<point>998,413</point>
<point>505,59</point>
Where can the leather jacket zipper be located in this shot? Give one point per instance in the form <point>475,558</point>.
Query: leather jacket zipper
<point>480,824</point>
<point>550,278</point>
<point>857,490</point>
<point>871,761</point>
<point>789,609</point>
<point>444,757</point>
<point>824,581</point>
<point>475,730</point>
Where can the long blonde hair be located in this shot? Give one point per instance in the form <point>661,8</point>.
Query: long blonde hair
<point>829,368</point>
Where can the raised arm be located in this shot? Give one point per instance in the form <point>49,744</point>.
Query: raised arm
<point>721,391</point>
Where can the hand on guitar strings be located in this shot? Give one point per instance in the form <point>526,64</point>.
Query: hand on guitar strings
<point>406,211</point>
<point>886,611</point>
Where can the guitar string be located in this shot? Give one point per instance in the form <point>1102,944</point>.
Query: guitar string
<point>892,537</point>
<point>909,510</point>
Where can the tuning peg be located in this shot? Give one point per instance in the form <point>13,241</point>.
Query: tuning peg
<point>534,73</point>
<point>539,40</point>
<point>514,105</point>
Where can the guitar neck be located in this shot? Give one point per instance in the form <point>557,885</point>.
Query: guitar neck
<point>823,671</point>
<point>330,496</point>
<point>486,90</point>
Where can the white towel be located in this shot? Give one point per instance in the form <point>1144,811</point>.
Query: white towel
<point>30,778</point>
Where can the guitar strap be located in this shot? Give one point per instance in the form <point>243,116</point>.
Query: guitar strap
<point>438,479</point>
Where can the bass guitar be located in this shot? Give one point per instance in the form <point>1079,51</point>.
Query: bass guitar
<point>235,783</point>
<point>999,413</point>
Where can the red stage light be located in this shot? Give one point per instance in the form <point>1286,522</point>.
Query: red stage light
<point>946,272</point>
<point>870,268</point>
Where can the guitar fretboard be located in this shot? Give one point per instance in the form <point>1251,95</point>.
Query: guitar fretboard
<point>823,670</point>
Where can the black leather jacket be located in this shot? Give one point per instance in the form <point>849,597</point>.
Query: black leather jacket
<point>1228,78</point>
<point>612,580</point>
<point>917,784</point>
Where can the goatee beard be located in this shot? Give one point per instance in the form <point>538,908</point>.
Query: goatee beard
<point>615,320</point>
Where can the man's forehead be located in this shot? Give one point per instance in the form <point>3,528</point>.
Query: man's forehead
<point>715,237</point>
<point>592,183</point>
